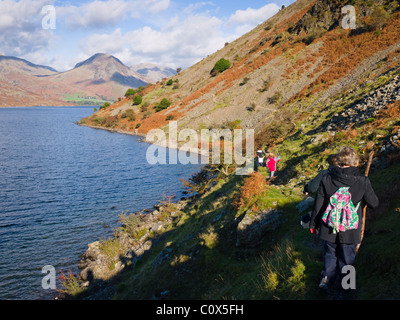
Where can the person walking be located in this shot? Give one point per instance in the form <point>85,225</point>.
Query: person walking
<point>271,164</point>
<point>340,239</point>
<point>260,158</point>
<point>313,185</point>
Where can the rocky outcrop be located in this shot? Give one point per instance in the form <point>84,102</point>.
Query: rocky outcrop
<point>367,108</point>
<point>133,242</point>
<point>323,15</point>
<point>393,144</point>
<point>253,227</point>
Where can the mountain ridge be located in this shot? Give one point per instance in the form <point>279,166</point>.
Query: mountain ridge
<point>98,79</point>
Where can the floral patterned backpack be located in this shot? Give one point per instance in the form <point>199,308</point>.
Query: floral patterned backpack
<point>341,214</point>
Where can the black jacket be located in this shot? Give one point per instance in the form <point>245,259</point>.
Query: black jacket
<point>313,185</point>
<point>360,189</point>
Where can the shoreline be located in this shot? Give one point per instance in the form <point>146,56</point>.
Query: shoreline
<point>142,138</point>
<point>92,264</point>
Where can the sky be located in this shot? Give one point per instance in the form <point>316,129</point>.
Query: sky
<point>170,33</point>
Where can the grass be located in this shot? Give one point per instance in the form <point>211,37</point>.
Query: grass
<point>196,258</point>
<point>92,101</point>
<point>112,249</point>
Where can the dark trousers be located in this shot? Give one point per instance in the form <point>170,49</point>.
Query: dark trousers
<point>336,256</point>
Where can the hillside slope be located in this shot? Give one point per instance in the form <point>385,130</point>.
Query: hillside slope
<point>238,237</point>
<point>283,67</point>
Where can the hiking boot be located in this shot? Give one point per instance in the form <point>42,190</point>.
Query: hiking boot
<point>324,284</point>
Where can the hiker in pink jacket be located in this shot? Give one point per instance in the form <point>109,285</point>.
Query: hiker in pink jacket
<point>271,164</point>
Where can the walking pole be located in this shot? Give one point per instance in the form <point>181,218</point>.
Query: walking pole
<point>371,155</point>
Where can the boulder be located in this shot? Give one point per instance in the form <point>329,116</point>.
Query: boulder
<point>251,230</point>
<point>305,204</point>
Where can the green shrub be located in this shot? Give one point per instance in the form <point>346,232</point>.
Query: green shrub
<point>105,105</point>
<point>163,104</point>
<point>369,120</point>
<point>99,120</point>
<point>130,92</point>
<point>220,66</point>
<point>138,125</point>
<point>129,114</point>
<point>137,100</point>
<point>170,82</point>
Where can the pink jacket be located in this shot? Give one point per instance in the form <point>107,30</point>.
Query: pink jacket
<point>271,163</point>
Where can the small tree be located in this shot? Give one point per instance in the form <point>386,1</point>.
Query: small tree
<point>137,100</point>
<point>163,104</point>
<point>220,66</point>
<point>130,92</point>
<point>105,105</point>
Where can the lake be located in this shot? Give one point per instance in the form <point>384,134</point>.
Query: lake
<point>62,186</point>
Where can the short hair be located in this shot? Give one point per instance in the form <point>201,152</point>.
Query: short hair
<point>332,160</point>
<point>347,156</point>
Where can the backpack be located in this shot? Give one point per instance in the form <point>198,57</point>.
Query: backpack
<point>341,214</point>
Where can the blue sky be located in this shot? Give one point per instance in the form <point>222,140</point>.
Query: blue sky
<point>173,33</point>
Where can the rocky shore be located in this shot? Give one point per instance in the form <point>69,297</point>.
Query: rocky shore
<point>100,273</point>
<point>140,232</point>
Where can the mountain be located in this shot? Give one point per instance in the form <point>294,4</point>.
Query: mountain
<point>307,87</point>
<point>153,72</point>
<point>96,80</point>
<point>21,65</point>
<point>102,76</point>
<point>23,83</point>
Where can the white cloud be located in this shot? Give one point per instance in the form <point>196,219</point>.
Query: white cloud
<point>180,43</point>
<point>21,30</point>
<point>98,13</point>
<point>157,31</point>
<point>106,43</point>
<point>245,20</point>
<point>94,14</point>
<point>153,6</point>
<point>184,39</point>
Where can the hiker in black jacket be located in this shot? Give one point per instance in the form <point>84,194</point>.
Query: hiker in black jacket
<point>340,248</point>
<point>313,185</point>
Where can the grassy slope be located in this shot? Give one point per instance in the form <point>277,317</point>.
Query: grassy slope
<point>204,263</point>
<point>196,258</point>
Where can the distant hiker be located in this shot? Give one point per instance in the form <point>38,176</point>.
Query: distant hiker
<point>260,158</point>
<point>271,164</point>
<point>313,185</point>
<point>343,187</point>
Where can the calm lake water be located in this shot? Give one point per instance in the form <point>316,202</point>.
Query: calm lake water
<point>60,185</point>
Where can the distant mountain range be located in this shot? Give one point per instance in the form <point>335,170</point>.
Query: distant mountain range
<point>100,78</point>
